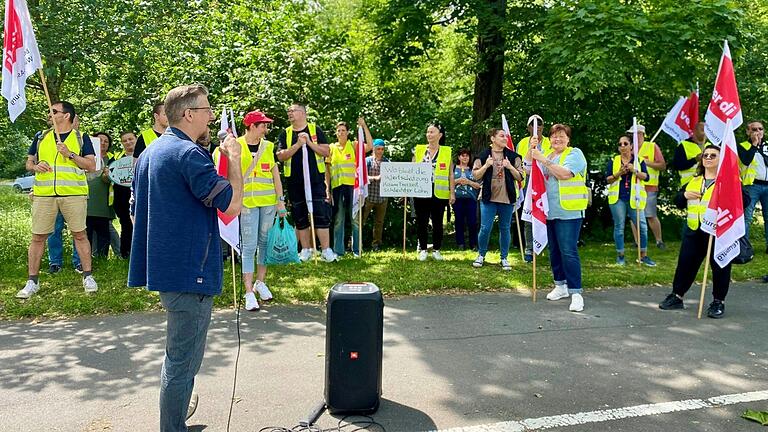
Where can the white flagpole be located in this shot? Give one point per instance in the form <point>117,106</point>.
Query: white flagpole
<point>635,186</point>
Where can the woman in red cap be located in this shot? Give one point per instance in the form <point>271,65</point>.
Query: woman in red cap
<point>262,198</point>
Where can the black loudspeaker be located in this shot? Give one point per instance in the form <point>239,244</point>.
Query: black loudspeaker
<point>353,348</point>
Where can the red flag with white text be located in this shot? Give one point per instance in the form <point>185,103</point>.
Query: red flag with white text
<point>229,226</point>
<point>724,216</point>
<point>536,207</point>
<point>21,57</point>
<point>361,174</point>
<point>724,104</point>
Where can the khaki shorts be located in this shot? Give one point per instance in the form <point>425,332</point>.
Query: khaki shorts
<point>45,209</point>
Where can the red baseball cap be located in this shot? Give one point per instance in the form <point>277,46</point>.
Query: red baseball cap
<point>255,117</point>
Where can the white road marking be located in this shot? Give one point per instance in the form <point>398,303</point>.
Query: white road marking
<point>581,418</point>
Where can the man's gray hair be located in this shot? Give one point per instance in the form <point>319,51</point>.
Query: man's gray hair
<point>181,99</point>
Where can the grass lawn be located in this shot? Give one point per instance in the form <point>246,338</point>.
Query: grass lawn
<point>62,295</point>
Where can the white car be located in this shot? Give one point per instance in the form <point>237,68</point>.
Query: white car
<point>24,184</point>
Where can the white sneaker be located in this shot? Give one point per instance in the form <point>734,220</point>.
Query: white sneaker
<point>251,304</point>
<point>90,284</point>
<point>560,292</point>
<point>192,407</point>
<point>436,255</point>
<point>305,255</point>
<point>329,255</point>
<point>422,255</point>
<point>505,265</point>
<point>30,288</point>
<point>577,303</point>
<point>479,261</point>
<point>263,290</point>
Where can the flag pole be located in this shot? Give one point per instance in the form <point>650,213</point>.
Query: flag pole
<point>50,105</point>
<point>637,228</point>
<point>405,219</point>
<point>360,223</point>
<point>234,281</point>
<point>519,235</point>
<point>312,232</point>
<point>704,282</point>
<point>534,277</point>
<point>656,135</point>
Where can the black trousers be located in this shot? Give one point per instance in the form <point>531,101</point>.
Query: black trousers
<point>122,210</point>
<point>426,209</point>
<point>692,252</point>
<point>99,226</point>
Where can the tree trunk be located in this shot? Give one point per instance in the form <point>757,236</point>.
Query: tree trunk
<point>489,79</point>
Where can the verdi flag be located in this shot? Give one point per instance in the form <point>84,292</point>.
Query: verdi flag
<point>21,58</point>
<point>536,207</point>
<point>361,174</point>
<point>724,216</point>
<point>682,118</point>
<point>724,104</point>
<point>229,226</point>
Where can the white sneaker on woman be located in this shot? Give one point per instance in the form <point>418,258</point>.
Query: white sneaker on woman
<point>422,255</point>
<point>577,303</point>
<point>251,304</point>
<point>436,255</point>
<point>264,292</point>
<point>560,292</point>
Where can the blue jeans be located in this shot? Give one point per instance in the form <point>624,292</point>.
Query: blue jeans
<point>56,245</point>
<point>757,192</point>
<point>620,211</point>
<point>563,235</point>
<point>188,316</point>
<point>254,228</point>
<point>342,206</point>
<point>465,212</point>
<point>488,211</point>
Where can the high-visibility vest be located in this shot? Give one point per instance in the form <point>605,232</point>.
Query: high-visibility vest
<point>613,188</point>
<point>574,194</point>
<point>441,172</point>
<point>697,207</point>
<point>289,142</point>
<point>522,146</point>
<point>258,183</point>
<point>67,178</point>
<point>691,151</point>
<point>115,155</point>
<point>647,152</point>
<point>343,165</point>
<point>748,172</point>
<point>149,135</point>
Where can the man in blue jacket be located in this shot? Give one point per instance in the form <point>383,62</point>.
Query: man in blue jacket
<point>176,248</point>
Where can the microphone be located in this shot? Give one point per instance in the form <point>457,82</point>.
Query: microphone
<point>222,135</point>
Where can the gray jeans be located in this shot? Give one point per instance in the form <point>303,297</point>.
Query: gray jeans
<point>188,316</point>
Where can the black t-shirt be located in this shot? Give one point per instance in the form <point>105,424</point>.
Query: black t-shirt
<point>297,171</point>
<point>141,145</point>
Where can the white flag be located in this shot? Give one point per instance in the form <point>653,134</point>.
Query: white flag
<point>21,58</point>
<point>361,174</point>
<point>229,226</point>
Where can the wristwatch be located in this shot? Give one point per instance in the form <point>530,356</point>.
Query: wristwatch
<point>72,155</point>
<point>281,198</point>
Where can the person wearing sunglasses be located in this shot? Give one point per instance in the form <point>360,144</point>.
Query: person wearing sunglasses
<point>753,164</point>
<point>694,198</point>
<point>625,195</point>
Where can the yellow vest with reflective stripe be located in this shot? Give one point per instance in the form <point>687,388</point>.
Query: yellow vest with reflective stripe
<point>149,135</point>
<point>691,151</point>
<point>342,165</point>
<point>522,146</point>
<point>696,208</point>
<point>258,184</point>
<point>574,194</point>
<point>648,152</point>
<point>441,172</point>
<point>289,142</point>
<point>747,172</point>
<point>67,178</point>
<point>613,188</point>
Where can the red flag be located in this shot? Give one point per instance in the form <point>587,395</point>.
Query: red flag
<point>688,116</point>
<point>21,57</point>
<point>724,217</point>
<point>536,207</point>
<point>361,174</point>
<point>724,104</point>
<point>505,126</point>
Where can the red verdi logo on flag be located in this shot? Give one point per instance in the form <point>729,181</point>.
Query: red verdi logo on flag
<point>20,56</point>
<point>12,39</point>
<point>724,104</point>
<point>689,114</point>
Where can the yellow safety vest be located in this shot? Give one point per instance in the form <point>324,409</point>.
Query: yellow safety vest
<point>441,172</point>
<point>691,151</point>
<point>613,189</point>
<point>747,172</point>
<point>648,152</point>
<point>149,135</point>
<point>342,165</point>
<point>258,183</point>
<point>67,178</point>
<point>697,208</point>
<point>289,142</point>
<point>574,194</point>
<point>522,146</point>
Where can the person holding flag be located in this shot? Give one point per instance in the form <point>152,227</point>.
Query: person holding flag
<point>565,171</point>
<point>465,207</point>
<point>341,165</point>
<point>622,178</point>
<point>522,148</point>
<point>299,135</point>
<point>498,168</point>
<point>149,135</point>
<point>696,197</point>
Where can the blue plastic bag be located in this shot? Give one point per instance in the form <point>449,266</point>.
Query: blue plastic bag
<point>282,246</point>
